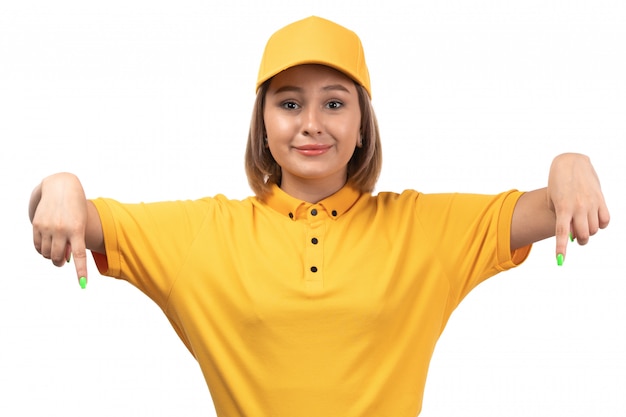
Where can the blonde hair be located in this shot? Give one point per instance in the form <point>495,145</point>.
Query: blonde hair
<point>363,168</point>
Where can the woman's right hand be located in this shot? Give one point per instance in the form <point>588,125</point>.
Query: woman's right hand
<point>58,211</point>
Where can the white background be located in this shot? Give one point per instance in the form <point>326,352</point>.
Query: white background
<point>151,100</point>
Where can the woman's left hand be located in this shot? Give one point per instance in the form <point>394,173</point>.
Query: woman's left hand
<point>575,197</point>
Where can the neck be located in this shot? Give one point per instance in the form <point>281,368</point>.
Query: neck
<point>311,191</point>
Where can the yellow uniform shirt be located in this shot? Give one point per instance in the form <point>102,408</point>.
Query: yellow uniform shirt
<point>311,310</point>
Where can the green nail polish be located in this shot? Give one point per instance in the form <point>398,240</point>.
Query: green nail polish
<point>559,259</point>
<point>571,237</point>
<point>83,282</point>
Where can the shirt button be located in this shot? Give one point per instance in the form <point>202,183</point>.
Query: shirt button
<point>334,212</point>
<point>291,215</point>
<point>313,269</point>
<point>314,241</point>
<point>314,212</point>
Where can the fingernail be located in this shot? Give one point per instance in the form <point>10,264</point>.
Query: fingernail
<point>69,258</point>
<point>83,282</point>
<point>559,259</point>
<point>571,237</point>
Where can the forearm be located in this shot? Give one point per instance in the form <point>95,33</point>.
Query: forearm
<point>533,220</point>
<point>94,238</point>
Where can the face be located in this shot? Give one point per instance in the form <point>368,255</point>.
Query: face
<point>312,121</point>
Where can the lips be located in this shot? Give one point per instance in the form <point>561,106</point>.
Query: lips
<point>313,149</point>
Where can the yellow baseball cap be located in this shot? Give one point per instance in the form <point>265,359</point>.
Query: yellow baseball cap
<point>315,40</point>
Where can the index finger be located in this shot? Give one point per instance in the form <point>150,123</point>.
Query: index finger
<point>562,234</point>
<point>79,253</point>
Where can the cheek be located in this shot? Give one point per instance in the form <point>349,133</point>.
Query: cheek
<point>276,125</point>
<point>352,131</point>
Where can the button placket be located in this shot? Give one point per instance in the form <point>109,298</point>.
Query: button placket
<point>314,258</point>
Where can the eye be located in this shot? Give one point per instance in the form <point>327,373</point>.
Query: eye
<point>334,104</point>
<point>290,105</point>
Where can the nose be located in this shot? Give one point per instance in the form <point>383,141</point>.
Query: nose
<point>312,122</point>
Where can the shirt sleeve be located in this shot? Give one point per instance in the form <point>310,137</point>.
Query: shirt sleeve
<point>147,243</point>
<point>471,234</point>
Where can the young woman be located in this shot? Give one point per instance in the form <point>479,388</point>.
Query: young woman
<point>314,297</point>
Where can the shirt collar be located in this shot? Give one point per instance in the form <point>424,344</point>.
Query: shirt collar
<point>335,205</point>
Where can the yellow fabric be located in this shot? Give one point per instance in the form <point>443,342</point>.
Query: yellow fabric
<point>273,338</point>
<point>315,40</point>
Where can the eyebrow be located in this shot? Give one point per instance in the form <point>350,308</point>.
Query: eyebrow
<point>331,87</point>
